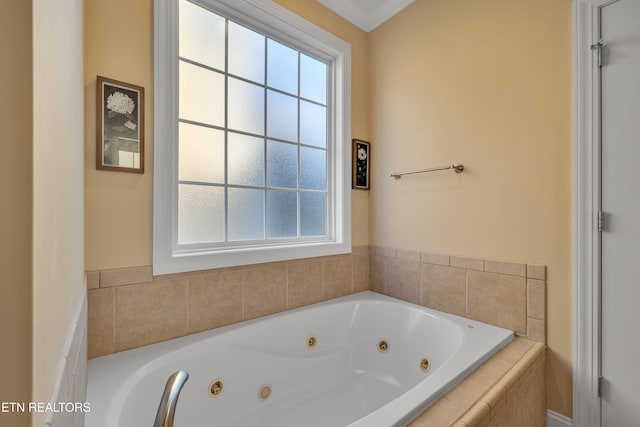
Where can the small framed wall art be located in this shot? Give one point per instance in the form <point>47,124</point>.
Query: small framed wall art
<point>119,126</point>
<point>361,160</point>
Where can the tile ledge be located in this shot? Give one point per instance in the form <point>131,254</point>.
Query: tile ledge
<point>476,414</point>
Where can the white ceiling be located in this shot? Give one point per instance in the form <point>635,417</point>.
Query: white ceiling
<point>366,14</point>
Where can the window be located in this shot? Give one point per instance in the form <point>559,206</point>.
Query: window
<point>251,160</point>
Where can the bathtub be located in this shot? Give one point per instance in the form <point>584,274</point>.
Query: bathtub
<point>361,360</point>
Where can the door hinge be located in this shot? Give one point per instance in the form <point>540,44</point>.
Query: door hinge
<point>600,385</point>
<point>598,47</point>
<point>600,221</point>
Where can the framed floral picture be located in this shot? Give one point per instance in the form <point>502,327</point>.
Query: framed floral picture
<point>361,159</point>
<point>119,126</point>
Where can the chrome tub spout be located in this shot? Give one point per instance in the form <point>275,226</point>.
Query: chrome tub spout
<point>167,408</point>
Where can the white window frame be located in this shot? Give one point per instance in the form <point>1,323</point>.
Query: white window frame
<point>281,24</point>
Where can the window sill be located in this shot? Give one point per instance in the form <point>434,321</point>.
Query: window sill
<point>181,262</point>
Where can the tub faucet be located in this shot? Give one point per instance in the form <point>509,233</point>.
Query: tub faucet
<point>167,408</point>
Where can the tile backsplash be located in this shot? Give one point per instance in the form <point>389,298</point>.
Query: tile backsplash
<point>130,307</point>
<point>508,294</point>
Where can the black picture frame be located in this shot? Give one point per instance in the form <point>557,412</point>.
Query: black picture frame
<point>361,157</point>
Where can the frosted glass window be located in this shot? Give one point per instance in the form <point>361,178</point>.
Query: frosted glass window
<point>313,214</point>
<point>313,79</point>
<point>202,35</point>
<point>200,214</point>
<point>246,214</point>
<point>313,124</point>
<point>246,159</point>
<point>246,107</point>
<point>282,165</point>
<point>313,169</point>
<point>282,214</point>
<point>282,67</point>
<point>282,116</point>
<point>253,135</point>
<point>201,154</point>
<point>246,53</point>
<point>201,95</point>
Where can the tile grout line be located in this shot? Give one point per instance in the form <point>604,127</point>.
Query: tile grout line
<point>115,320</point>
<point>466,292</point>
<point>352,271</point>
<point>286,286</point>
<point>244,273</point>
<point>188,299</point>
<point>420,293</point>
<point>322,279</point>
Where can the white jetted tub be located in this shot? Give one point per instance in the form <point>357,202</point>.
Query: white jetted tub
<point>361,360</point>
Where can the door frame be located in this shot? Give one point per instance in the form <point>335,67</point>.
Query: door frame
<point>587,202</point>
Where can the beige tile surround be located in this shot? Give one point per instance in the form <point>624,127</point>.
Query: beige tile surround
<point>508,294</point>
<point>130,308</point>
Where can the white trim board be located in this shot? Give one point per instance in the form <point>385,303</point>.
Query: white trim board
<point>555,419</point>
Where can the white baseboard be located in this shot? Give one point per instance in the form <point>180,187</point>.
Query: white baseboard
<point>555,419</point>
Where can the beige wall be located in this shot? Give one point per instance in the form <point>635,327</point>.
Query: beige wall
<point>118,206</point>
<point>16,168</point>
<point>487,84</point>
<point>58,167</point>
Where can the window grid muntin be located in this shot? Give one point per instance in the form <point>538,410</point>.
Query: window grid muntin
<point>226,127</point>
<point>265,88</point>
